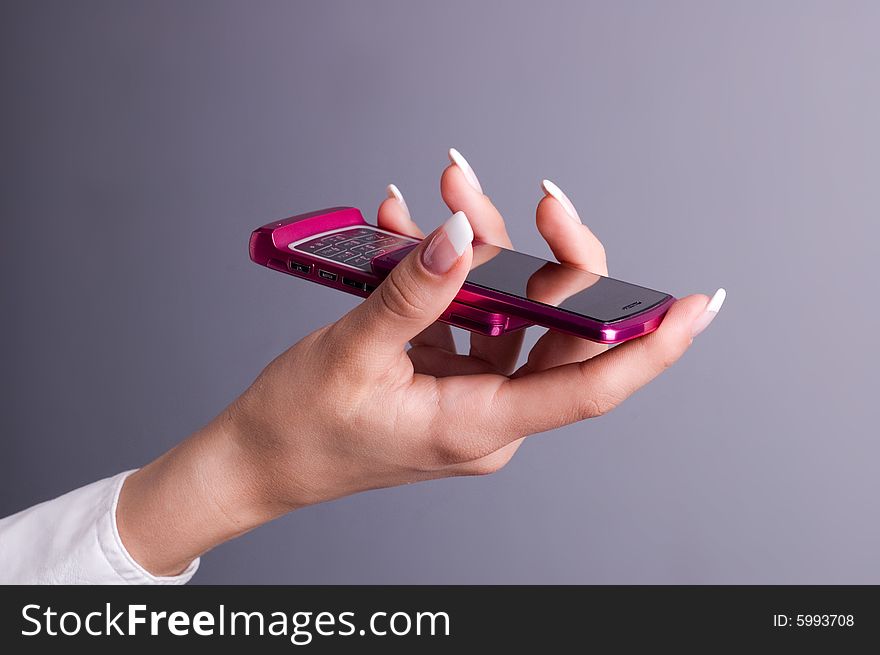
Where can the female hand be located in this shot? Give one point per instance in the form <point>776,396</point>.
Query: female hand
<point>349,408</point>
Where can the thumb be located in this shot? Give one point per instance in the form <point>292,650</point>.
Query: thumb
<point>418,289</point>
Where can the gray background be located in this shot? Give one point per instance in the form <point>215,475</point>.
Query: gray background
<point>707,144</point>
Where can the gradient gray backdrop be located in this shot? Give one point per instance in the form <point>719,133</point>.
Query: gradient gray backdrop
<point>707,144</point>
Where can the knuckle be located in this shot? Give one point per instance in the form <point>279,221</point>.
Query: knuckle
<point>495,461</point>
<point>400,296</point>
<point>669,351</point>
<point>338,353</point>
<point>603,402</point>
<point>667,359</point>
<point>486,465</point>
<point>449,452</point>
<point>451,449</point>
<point>603,397</point>
<point>589,408</point>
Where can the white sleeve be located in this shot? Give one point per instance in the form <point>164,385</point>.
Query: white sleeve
<point>73,539</point>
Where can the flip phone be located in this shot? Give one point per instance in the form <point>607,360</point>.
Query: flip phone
<point>505,290</point>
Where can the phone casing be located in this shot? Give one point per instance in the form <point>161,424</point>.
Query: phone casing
<point>491,300</point>
<point>270,247</point>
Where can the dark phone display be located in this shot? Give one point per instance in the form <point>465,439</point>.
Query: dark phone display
<point>602,299</point>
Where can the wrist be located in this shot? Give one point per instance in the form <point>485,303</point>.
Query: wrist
<point>205,491</point>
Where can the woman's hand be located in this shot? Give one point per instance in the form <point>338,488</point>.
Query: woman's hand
<point>350,408</point>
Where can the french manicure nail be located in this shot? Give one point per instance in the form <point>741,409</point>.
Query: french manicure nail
<point>394,192</point>
<point>710,312</point>
<point>448,244</point>
<point>456,158</point>
<point>551,189</point>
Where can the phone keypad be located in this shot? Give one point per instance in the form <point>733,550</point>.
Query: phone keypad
<point>355,247</point>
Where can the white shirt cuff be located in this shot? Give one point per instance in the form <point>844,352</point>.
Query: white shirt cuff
<point>74,539</point>
<point>118,556</point>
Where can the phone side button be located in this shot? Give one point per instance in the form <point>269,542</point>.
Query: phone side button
<point>489,329</point>
<point>354,283</point>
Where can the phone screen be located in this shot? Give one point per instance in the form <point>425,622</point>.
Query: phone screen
<point>602,299</point>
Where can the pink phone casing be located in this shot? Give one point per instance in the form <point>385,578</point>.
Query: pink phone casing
<point>547,316</point>
<point>269,246</point>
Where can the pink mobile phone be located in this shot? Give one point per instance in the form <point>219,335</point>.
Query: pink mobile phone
<point>504,291</point>
<point>335,247</point>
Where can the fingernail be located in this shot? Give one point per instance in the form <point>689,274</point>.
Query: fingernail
<point>553,190</point>
<point>456,158</point>
<point>710,312</point>
<point>448,244</point>
<point>394,192</point>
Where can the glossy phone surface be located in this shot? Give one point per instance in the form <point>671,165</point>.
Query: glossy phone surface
<point>335,247</point>
<point>559,297</point>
